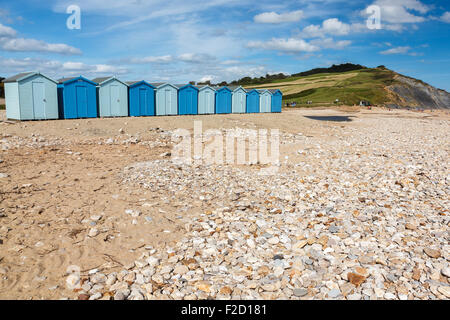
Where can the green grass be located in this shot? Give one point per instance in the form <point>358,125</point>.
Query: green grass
<point>368,85</point>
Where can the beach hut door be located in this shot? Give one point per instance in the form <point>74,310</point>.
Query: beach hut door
<point>115,100</point>
<point>143,102</point>
<point>39,100</point>
<point>168,101</point>
<point>82,111</point>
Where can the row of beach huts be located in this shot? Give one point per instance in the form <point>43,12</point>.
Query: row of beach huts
<point>34,96</point>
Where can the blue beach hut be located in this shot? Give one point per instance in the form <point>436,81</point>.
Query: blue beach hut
<point>112,97</point>
<point>223,100</point>
<point>77,98</point>
<point>141,96</point>
<point>206,97</point>
<point>252,101</point>
<point>187,99</point>
<point>31,96</point>
<point>277,97</point>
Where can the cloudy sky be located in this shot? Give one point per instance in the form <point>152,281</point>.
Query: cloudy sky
<point>179,40</point>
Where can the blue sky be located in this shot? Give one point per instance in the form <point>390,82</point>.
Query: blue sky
<point>180,41</point>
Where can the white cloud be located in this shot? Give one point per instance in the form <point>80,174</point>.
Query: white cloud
<point>58,69</point>
<point>291,45</point>
<point>150,59</point>
<point>276,18</point>
<point>196,57</point>
<point>6,31</point>
<point>9,42</point>
<point>446,17</point>
<point>397,50</point>
<point>21,44</point>
<point>329,43</point>
<point>399,11</point>
<point>206,78</point>
<point>329,27</point>
<point>185,57</point>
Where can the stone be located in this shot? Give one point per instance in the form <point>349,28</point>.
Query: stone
<point>445,290</point>
<point>225,290</point>
<point>390,296</point>
<point>263,271</point>
<point>93,232</point>
<point>300,292</point>
<point>347,288</point>
<point>136,295</point>
<point>203,286</point>
<point>130,277</point>
<point>362,272</point>
<point>111,279</point>
<point>416,274</point>
<point>95,296</point>
<point>323,240</point>
<point>446,272</point>
<point>432,253</point>
<point>355,278</point>
<point>181,269</point>
<point>83,297</point>
<point>334,293</point>
<point>410,226</point>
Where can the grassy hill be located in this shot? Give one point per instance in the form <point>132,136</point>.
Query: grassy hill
<point>348,87</point>
<point>379,86</point>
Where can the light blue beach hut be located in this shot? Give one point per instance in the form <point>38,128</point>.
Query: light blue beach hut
<point>166,99</point>
<point>265,100</point>
<point>239,99</point>
<point>31,96</point>
<point>112,97</point>
<point>206,99</point>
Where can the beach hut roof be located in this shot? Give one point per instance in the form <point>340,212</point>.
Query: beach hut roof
<point>222,88</point>
<point>70,79</point>
<point>134,83</point>
<point>163,84</point>
<point>234,88</point>
<point>202,87</point>
<point>24,75</point>
<point>102,80</point>
<point>180,86</point>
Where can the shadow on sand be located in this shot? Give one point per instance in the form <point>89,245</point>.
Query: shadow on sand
<point>331,118</point>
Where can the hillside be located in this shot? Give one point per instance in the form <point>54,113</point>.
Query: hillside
<point>379,86</point>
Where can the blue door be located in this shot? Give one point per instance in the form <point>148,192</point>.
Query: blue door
<point>39,100</point>
<point>223,101</point>
<point>252,102</point>
<point>143,108</point>
<point>82,103</point>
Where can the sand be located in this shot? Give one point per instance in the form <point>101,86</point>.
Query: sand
<point>59,178</point>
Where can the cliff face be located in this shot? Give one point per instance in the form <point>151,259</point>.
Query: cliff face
<point>414,93</point>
